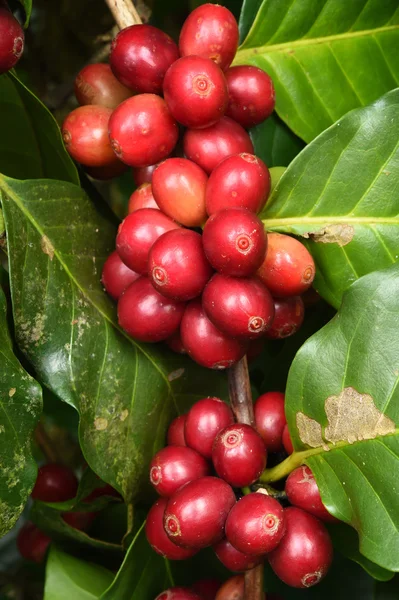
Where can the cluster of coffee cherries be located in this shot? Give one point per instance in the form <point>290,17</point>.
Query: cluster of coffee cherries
<point>12,39</point>
<point>204,477</point>
<point>212,589</point>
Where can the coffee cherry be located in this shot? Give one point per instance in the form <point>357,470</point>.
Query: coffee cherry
<point>204,343</point>
<point>142,198</point>
<point>96,84</point>
<point>208,147</point>
<point>251,95</point>
<point>177,265</point>
<point>32,543</point>
<point>136,235</point>
<point>287,443</point>
<point>210,31</point>
<point>146,315</point>
<point>206,588</point>
<point>235,242</point>
<point>54,483</point>
<point>178,593</point>
<point>288,317</point>
<point>143,174</point>
<point>157,537</point>
<point>256,524</point>
<point>140,56</point>
<point>195,515</point>
<point>175,435</point>
<point>142,130</point>
<point>288,268</point>
<point>179,189</point>
<point>107,171</point>
<point>173,466</point>
<point>238,306</point>
<point>305,553</point>
<point>270,419</point>
<point>302,491</point>
<point>204,420</point>
<point>116,276</point>
<point>175,343</point>
<point>12,40</point>
<point>241,180</point>
<point>234,560</point>
<point>85,135</point>
<point>79,520</point>
<point>232,589</point>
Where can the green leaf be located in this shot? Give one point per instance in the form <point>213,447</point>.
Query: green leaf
<point>30,143</point>
<point>21,403</point>
<point>247,16</point>
<point>325,57</point>
<point>1,223</point>
<point>274,143</point>
<point>341,193</point>
<point>27,4</point>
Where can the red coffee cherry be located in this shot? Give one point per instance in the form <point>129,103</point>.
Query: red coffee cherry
<point>85,135</point>
<point>12,40</point>
<point>256,524</point>
<point>173,466</point>
<point>234,560</point>
<point>143,174</point>
<point>146,315</point>
<point>204,343</point>
<point>116,276</point>
<point>270,419</point>
<point>305,553</point>
<point>204,420</point>
<point>232,589</point>
<point>251,95</point>
<point>157,537</point>
<point>178,593</point>
<point>136,235</point>
<point>32,543</point>
<point>238,306</point>
<point>208,147</point>
<point>79,520</point>
<point>195,515</point>
<point>175,344</point>
<point>195,91</point>
<point>302,491</point>
<point>142,130</point>
<point>288,268</point>
<point>54,483</point>
<point>107,171</point>
<point>140,56</point>
<point>177,265</point>
<point>288,317</point>
<point>142,198</point>
<point>287,443</point>
<point>210,31</point>
<point>179,187</point>
<point>235,242</point>
<point>241,180</point>
<point>175,435</point>
<point>96,84</point>
<point>206,588</point>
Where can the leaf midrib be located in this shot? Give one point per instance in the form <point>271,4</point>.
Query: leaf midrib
<point>330,220</point>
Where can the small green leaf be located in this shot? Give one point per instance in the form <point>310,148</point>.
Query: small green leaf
<point>274,143</point>
<point>27,4</point>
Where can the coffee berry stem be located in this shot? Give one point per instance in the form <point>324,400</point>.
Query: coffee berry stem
<point>277,494</point>
<point>124,13</point>
<point>283,469</point>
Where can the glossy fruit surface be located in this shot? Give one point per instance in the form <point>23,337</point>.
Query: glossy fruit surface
<point>235,242</point>
<point>270,419</point>
<point>79,519</point>
<point>96,84</point>
<point>175,435</point>
<point>232,589</point>
<point>157,537</point>
<point>233,559</point>
<point>143,174</point>
<point>208,147</point>
<point>116,276</point>
<point>54,483</point>
<point>178,593</point>
<point>206,588</point>
<point>173,466</point>
<point>305,553</point>
<point>251,95</point>
<point>12,40</point>
<point>287,443</point>
<point>256,524</point>
<point>174,342</point>
<point>142,198</point>
<point>142,130</point>
<point>32,543</point>
<point>241,180</point>
<point>288,317</point>
<point>196,514</point>
<point>204,420</point>
<point>140,56</point>
<point>302,491</point>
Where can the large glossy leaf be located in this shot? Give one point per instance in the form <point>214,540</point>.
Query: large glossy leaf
<point>340,193</point>
<point>27,4</point>
<point>326,57</point>
<point>274,143</point>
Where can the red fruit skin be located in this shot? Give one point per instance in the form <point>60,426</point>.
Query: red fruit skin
<point>178,593</point>
<point>208,147</point>
<point>140,56</point>
<point>79,520</point>
<point>142,198</point>
<point>238,306</point>
<point>12,39</point>
<point>287,443</point>
<point>232,589</point>
<point>203,422</point>
<point>288,317</point>
<point>143,174</point>
<point>32,543</point>
<point>302,491</point>
<point>146,315</point>
<point>270,419</point>
<point>206,588</point>
<point>234,242</point>
<point>241,180</point>
<point>305,553</point>
<point>177,265</point>
<point>136,235</point>
<point>116,276</point>
<point>210,31</point>
<point>173,466</point>
<point>251,95</point>
<point>175,344</point>
<point>54,483</point>
<point>179,189</point>
<point>107,172</point>
<point>288,268</point>
<point>195,91</point>
<point>196,514</point>
<point>234,560</point>
<point>142,130</point>
<point>156,535</point>
<point>96,84</point>
<point>256,524</point>
<point>175,435</point>
<point>205,344</point>
<point>85,135</point>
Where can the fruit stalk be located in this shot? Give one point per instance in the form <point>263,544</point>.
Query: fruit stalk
<point>124,13</point>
